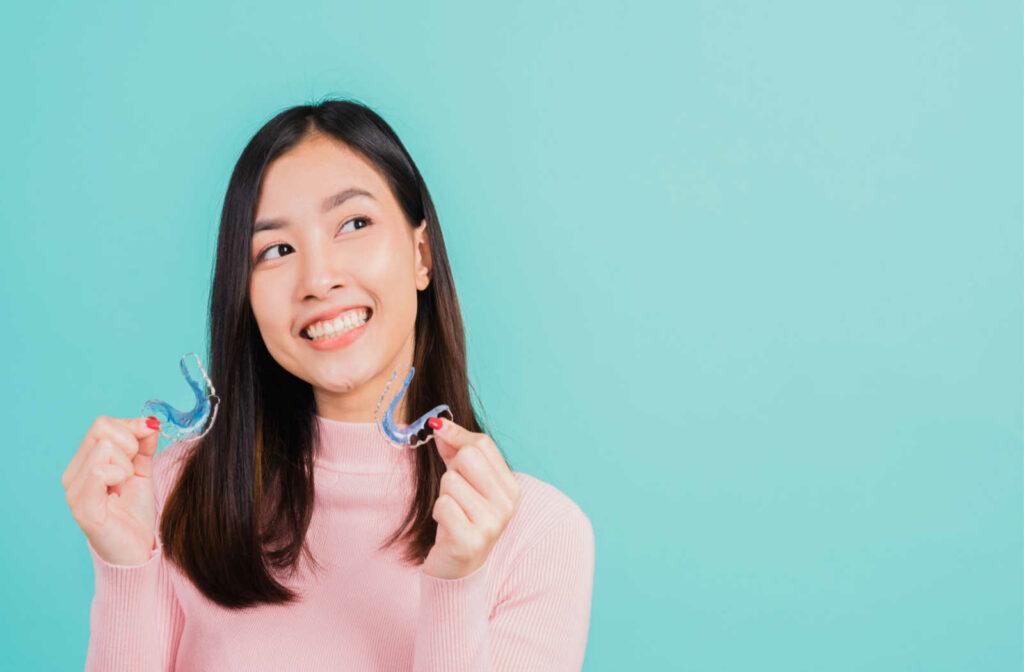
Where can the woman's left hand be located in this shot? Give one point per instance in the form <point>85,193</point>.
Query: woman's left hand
<point>478,496</point>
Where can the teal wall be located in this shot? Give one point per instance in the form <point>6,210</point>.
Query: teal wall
<point>741,278</point>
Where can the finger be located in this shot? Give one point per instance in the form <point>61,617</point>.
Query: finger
<point>449,513</point>
<point>147,448</point>
<point>71,472</point>
<point>122,430</point>
<point>76,460</point>
<point>451,434</point>
<point>477,509</point>
<point>451,437</point>
<point>505,477</point>
<point>103,455</point>
<point>479,472</point>
<point>98,486</point>
<point>105,452</point>
<point>87,496</point>
<point>145,436</point>
<point>97,430</point>
<point>85,481</point>
<point>454,433</point>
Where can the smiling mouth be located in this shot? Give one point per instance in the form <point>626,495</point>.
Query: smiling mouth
<point>305,332</point>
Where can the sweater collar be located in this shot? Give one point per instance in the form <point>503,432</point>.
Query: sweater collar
<point>358,448</point>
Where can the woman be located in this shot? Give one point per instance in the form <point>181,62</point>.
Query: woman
<point>293,535</point>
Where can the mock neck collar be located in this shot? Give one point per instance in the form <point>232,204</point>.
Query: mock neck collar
<point>358,448</point>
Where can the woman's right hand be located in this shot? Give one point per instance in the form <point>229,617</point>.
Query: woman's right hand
<point>108,486</point>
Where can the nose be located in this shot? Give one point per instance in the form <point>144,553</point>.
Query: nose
<point>318,276</point>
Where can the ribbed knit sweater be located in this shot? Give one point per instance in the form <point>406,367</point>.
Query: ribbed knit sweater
<point>526,609</point>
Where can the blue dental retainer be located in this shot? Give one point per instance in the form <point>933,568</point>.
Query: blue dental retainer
<point>178,425</point>
<point>416,433</point>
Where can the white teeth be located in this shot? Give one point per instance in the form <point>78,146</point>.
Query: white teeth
<point>339,325</point>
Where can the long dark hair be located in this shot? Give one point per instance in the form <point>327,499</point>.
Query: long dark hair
<point>239,510</point>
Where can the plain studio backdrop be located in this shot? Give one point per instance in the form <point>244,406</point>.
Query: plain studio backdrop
<point>743,279</point>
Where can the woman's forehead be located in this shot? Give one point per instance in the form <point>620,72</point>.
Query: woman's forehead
<point>316,182</point>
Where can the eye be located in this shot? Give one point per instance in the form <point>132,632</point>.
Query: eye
<point>366,220</point>
<point>261,256</point>
<point>358,219</point>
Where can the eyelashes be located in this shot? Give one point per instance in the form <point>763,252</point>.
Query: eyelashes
<point>367,220</point>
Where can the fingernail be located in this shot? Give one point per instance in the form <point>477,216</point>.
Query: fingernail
<point>152,422</point>
<point>435,423</point>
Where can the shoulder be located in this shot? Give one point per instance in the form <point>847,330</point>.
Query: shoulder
<point>542,500</point>
<point>544,510</point>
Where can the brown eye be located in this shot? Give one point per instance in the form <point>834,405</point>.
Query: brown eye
<point>264,252</point>
<point>358,219</point>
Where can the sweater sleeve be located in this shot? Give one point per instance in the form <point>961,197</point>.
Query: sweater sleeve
<point>540,623</point>
<point>135,620</point>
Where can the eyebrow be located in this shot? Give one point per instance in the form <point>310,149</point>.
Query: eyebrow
<point>328,204</point>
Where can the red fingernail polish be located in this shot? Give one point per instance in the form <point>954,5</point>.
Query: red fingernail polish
<point>152,422</point>
<point>435,423</point>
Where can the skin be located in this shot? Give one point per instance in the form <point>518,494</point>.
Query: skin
<point>364,252</point>
<point>477,499</point>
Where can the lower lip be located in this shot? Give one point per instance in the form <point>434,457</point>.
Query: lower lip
<point>337,342</point>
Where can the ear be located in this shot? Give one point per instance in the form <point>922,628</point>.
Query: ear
<point>424,263</point>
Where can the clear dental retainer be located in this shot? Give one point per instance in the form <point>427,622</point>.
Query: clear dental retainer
<point>177,425</point>
<point>414,434</point>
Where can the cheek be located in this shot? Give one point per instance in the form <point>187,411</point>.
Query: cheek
<point>397,293</point>
<point>269,307</point>
<point>390,271</point>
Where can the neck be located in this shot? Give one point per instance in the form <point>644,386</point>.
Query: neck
<point>358,447</point>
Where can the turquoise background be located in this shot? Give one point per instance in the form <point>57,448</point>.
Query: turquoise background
<point>743,279</point>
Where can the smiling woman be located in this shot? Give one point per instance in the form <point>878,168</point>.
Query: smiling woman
<point>294,535</point>
<point>315,257</point>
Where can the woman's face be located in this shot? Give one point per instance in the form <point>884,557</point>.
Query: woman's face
<point>331,246</point>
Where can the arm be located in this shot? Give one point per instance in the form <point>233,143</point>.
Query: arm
<point>135,621</point>
<point>540,624</point>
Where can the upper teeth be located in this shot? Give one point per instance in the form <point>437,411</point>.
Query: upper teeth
<point>348,320</point>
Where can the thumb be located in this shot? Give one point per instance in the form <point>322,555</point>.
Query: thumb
<point>148,434</point>
<point>450,438</point>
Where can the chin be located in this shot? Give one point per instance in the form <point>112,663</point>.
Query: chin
<point>342,378</point>
<point>337,387</point>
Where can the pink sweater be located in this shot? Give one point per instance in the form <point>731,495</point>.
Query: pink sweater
<point>526,609</point>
